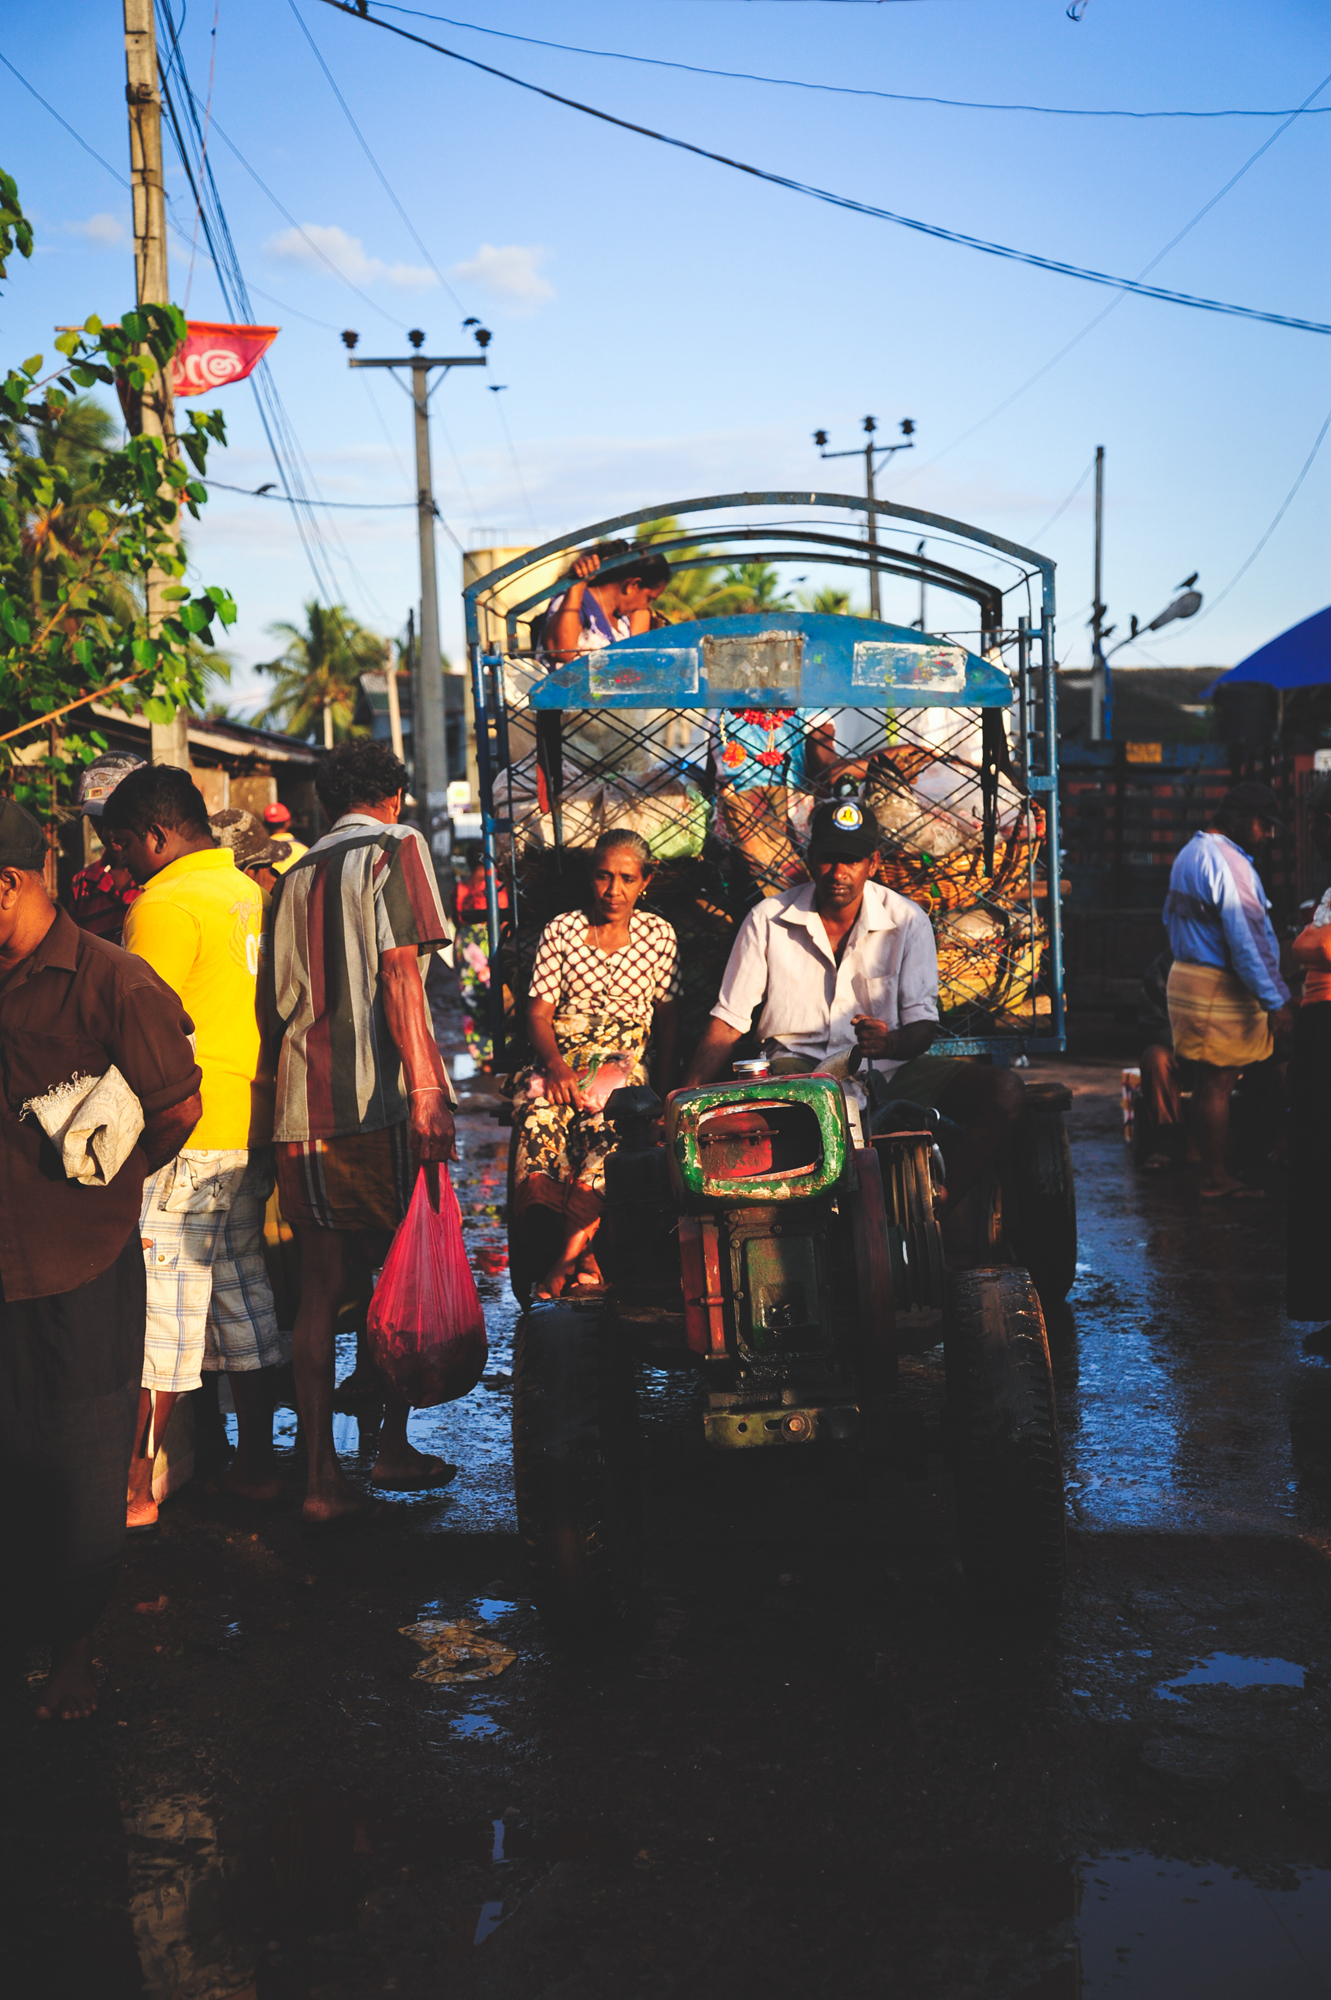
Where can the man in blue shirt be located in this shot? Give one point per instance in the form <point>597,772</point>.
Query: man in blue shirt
<point>1227,999</point>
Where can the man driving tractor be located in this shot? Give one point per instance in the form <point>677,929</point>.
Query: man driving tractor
<point>846,973</point>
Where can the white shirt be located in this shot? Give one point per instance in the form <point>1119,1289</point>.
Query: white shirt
<point>783,960</point>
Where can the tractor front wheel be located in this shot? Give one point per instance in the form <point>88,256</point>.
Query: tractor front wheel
<point>575,1469</point>
<point>1004,1441</point>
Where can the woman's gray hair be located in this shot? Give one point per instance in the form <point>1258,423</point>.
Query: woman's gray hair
<point>615,836</point>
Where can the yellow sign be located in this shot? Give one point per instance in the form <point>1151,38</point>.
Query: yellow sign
<point>1144,753</point>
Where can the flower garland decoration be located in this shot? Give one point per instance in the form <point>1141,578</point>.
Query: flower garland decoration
<point>770,719</point>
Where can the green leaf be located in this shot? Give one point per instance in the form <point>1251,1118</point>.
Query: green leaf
<point>175,591</point>
<point>67,343</point>
<point>32,367</point>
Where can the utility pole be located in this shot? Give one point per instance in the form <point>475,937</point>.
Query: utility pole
<point>394,706</point>
<point>156,411</point>
<point>888,451</point>
<point>429,738</point>
<point>1102,708</point>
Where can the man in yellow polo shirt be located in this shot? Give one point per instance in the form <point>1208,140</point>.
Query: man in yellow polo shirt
<point>199,925</point>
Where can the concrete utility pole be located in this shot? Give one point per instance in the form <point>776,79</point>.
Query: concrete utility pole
<point>888,451</point>
<point>394,706</point>
<point>1101,705</point>
<point>156,416</point>
<point>429,736</point>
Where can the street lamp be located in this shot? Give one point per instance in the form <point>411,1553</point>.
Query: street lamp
<point>1187,605</point>
<point>868,450</point>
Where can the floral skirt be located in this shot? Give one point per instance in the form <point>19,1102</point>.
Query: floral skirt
<point>471,955</point>
<point>561,1152</point>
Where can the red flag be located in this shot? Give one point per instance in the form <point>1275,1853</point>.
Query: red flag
<point>215,354</point>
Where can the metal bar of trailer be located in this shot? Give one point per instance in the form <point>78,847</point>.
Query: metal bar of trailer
<point>486,781</point>
<point>982,595</point>
<point>1054,903</point>
<point>942,524</point>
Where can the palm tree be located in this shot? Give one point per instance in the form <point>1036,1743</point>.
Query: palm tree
<point>833,603</point>
<point>691,593</point>
<point>317,673</point>
<point>56,538</point>
<point>758,583</point>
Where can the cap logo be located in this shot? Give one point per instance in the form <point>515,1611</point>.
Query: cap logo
<point>848,818</point>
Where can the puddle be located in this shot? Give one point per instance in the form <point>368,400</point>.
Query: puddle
<point>182,1903</point>
<point>478,1727</point>
<point>1236,1671</point>
<point>489,1920</point>
<point>1156,1929</point>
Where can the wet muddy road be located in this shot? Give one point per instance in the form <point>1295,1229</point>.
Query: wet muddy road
<point>814,1771</point>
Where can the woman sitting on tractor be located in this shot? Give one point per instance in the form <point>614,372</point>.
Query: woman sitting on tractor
<point>604,978</point>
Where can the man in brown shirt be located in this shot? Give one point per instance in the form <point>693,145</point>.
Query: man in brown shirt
<point>72,1006</point>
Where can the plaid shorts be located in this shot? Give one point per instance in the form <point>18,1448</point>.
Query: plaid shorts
<point>210,1304</point>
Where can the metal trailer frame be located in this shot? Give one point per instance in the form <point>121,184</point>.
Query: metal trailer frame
<point>1029,689</point>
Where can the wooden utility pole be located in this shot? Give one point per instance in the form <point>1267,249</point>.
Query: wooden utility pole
<point>428,727</point>
<point>394,705</point>
<point>1100,709</point>
<point>156,413</point>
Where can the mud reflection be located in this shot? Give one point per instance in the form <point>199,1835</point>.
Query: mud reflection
<point>1177,1414</point>
<point>1158,1929</point>
<point>183,1905</point>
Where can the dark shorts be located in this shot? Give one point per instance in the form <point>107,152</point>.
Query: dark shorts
<point>925,1079</point>
<point>69,1393</point>
<point>361,1181</point>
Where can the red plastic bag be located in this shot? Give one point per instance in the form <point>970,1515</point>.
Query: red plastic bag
<point>426,1326</point>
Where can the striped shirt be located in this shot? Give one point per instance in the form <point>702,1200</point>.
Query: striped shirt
<point>364,889</point>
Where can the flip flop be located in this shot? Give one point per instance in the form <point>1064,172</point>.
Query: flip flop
<point>142,1527</point>
<point>424,1482</point>
<point>1241,1193</point>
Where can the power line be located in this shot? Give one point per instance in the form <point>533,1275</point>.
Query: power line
<point>357,506</point>
<point>802,83</point>
<point>230,277</point>
<point>1091,324</point>
<point>77,137</point>
<point>856,207</point>
<point>116,175</point>
<point>365,148</point>
<point>497,390</point>
<point>1059,512</point>
<point>285,212</point>
<point>1281,512</point>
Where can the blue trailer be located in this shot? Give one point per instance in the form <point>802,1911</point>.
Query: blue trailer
<point>749,1236</point>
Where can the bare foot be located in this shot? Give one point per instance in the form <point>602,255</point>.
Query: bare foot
<point>338,1501</point>
<point>140,1513</point>
<point>70,1694</point>
<point>412,1472</point>
<point>258,1483</point>
<point>1232,1191</point>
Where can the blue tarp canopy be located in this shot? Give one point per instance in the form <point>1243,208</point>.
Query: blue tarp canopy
<point>1299,658</point>
<point>787,659</point>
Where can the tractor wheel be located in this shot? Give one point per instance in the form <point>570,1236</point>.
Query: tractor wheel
<point>1004,1441</point>
<point>1043,1232</point>
<point>575,1471</point>
<point>519,1277</point>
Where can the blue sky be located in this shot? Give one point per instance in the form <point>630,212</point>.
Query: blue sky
<point>666,327</point>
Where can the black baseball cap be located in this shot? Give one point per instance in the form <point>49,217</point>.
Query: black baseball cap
<point>843,829</point>
<point>22,842</point>
<point>1255,798</point>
